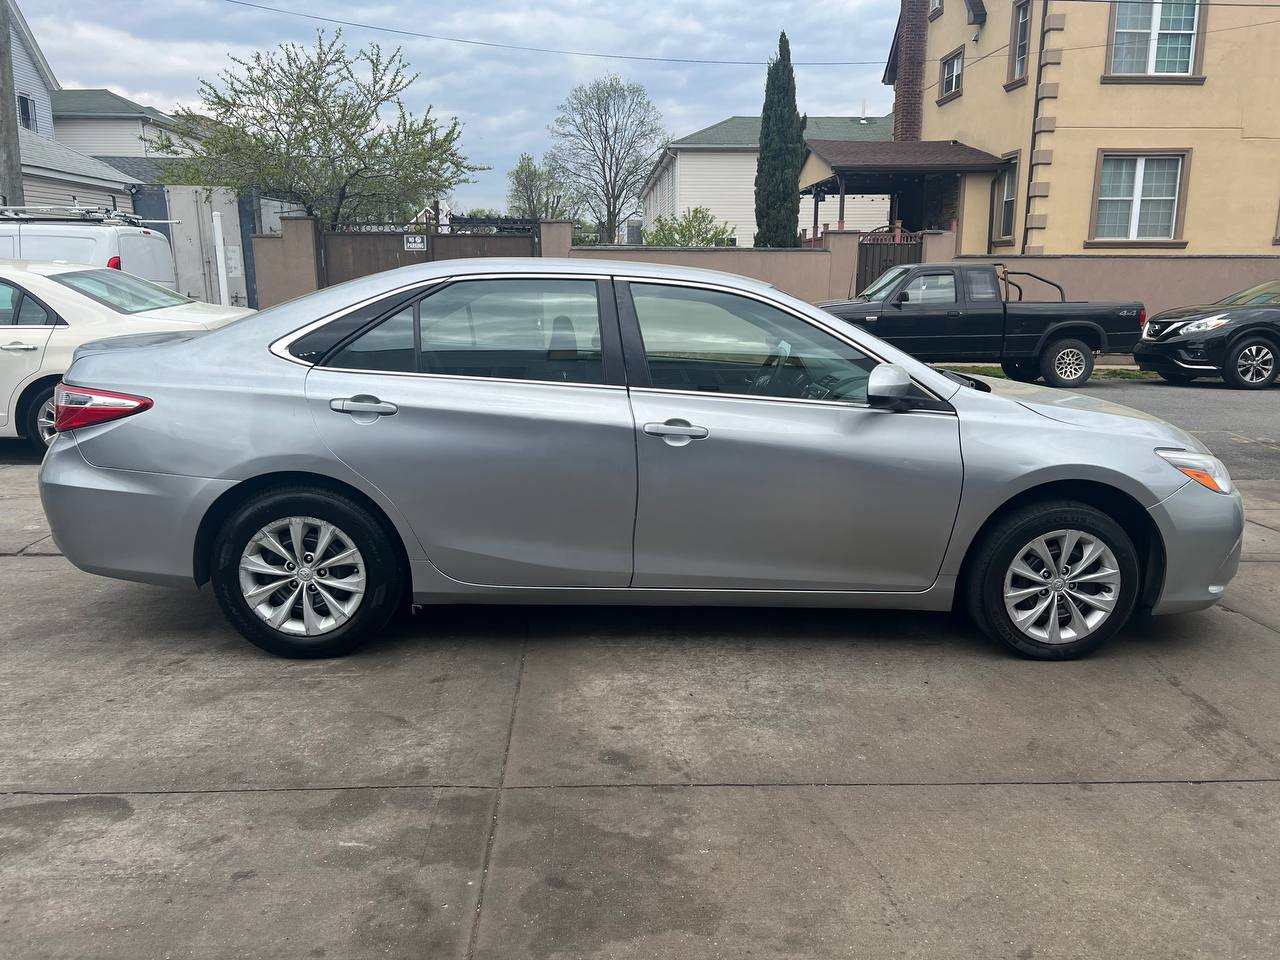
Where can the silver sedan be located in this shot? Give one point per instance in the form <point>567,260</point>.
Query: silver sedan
<point>540,431</point>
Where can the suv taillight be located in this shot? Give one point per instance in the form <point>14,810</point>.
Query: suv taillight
<point>113,263</point>
<point>84,406</point>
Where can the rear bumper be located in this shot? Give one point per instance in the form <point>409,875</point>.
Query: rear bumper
<point>122,523</point>
<point>1203,534</point>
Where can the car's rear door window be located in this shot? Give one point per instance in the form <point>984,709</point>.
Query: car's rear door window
<point>514,329</point>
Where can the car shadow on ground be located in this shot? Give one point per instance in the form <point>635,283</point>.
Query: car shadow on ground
<point>18,452</point>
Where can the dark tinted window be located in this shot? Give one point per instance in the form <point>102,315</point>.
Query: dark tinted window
<point>388,346</point>
<point>31,314</point>
<point>716,342</point>
<point>512,329</point>
<point>982,286</point>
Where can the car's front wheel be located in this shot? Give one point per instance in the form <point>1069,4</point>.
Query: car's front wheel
<point>1067,363</point>
<point>306,572</point>
<point>1251,364</point>
<point>1053,580</point>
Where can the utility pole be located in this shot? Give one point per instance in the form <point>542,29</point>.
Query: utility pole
<point>10,157</point>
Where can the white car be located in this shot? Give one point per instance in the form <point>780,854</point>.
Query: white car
<point>49,309</point>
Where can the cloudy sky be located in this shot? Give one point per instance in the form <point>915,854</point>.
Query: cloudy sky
<point>154,52</point>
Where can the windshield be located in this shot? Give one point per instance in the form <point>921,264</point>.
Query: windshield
<point>120,291</point>
<point>1262,293</point>
<point>883,284</point>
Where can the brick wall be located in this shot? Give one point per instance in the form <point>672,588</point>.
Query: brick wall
<point>908,89</point>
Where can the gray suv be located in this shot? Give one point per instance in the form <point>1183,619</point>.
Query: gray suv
<point>541,431</point>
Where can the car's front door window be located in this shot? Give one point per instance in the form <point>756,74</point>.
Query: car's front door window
<point>928,288</point>
<point>710,341</point>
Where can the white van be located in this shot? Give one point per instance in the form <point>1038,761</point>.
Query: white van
<point>98,238</point>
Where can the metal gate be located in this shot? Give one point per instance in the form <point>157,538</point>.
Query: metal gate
<point>883,248</point>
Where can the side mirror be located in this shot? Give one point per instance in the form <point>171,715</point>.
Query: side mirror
<point>888,386</point>
<point>902,297</point>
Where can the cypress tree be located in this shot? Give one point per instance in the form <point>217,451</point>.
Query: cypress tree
<point>781,156</point>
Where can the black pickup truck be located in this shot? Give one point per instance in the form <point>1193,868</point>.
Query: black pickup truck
<point>955,311</point>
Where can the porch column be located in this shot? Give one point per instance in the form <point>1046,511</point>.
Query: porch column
<point>815,215</point>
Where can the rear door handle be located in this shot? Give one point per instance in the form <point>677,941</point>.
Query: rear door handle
<point>19,347</point>
<point>676,432</point>
<point>362,403</point>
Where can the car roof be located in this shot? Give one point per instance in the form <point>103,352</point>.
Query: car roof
<point>604,268</point>
<point>42,268</point>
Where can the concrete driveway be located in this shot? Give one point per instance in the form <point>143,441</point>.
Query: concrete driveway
<point>631,783</point>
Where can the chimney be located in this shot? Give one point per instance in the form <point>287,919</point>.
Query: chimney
<point>908,86</point>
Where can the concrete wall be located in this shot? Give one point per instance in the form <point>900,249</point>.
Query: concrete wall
<point>287,265</point>
<point>1230,120</point>
<point>813,275</point>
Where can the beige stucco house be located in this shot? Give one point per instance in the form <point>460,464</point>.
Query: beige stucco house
<point>1126,127</point>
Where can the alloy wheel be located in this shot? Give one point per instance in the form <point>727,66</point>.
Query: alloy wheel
<point>1256,363</point>
<point>1069,363</point>
<point>1062,586</point>
<point>45,422</point>
<point>302,576</point>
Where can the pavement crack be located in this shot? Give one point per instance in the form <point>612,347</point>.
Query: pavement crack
<point>497,798</point>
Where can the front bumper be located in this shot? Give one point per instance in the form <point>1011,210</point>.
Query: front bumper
<point>123,523</point>
<point>1181,355</point>
<point>1203,533</point>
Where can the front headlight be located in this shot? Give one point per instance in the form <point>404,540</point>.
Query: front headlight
<point>1201,467</point>
<point>1208,323</point>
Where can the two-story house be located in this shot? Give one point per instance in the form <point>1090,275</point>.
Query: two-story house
<point>54,173</point>
<point>1130,127</point>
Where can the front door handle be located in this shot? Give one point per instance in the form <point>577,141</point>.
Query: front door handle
<point>19,347</point>
<point>953,314</point>
<point>676,432</point>
<point>362,403</point>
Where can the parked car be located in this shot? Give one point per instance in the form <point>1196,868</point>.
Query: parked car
<point>949,311</point>
<point>90,235</point>
<point>49,309</point>
<point>1237,339</point>
<point>544,431</point>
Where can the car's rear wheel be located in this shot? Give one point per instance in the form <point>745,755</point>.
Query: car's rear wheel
<point>1067,363</point>
<point>305,572</point>
<point>1180,379</point>
<point>1024,371</point>
<point>39,425</point>
<point>1251,364</point>
<point>1053,580</point>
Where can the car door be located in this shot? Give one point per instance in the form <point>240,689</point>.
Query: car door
<point>25,326</point>
<point>761,466</point>
<point>923,324</point>
<point>979,331</point>
<point>493,413</point>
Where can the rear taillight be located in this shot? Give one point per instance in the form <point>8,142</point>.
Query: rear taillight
<point>1142,318</point>
<point>113,263</point>
<point>83,407</point>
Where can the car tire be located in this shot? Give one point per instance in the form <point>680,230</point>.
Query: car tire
<point>994,586</point>
<point>39,408</point>
<point>1251,364</point>
<point>327,613</point>
<point>1067,363</point>
<point>1024,371</point>
<point>1178,379</point>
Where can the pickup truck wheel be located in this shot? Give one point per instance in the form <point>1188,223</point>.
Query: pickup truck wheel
<point>1251,364</point>
<point>1067,363</point>
<point>1024,371</point>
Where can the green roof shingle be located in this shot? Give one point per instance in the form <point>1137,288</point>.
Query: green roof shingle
<point>745,131</point>
<point>102,103</point>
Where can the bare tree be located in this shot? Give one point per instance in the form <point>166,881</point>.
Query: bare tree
<point>535,191</point>
<point>604,142</point>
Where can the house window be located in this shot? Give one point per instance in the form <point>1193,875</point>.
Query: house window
<point>26,111</point>
<point>1020,42</point>
<point>935,9</point>
<point>1006,202</point>
<point>1138,197</point>
<point>952,75</point>
<point>1154,37</point>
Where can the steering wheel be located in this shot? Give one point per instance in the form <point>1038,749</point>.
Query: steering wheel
<point>771,368</point>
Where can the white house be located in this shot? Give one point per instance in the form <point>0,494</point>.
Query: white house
<point>52,172</point>
<point>716,168</point>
